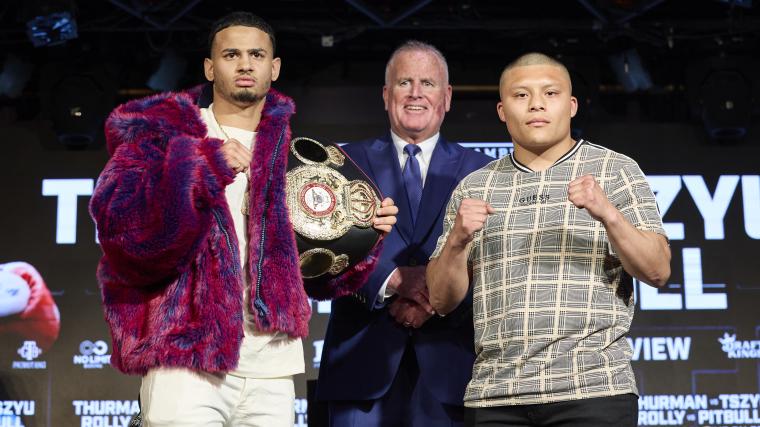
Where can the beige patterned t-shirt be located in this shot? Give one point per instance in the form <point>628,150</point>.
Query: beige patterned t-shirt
<point>551,310</point>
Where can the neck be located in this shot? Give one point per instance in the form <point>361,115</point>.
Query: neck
<point>245,116</point>
<point>542,158</point>
<point>412,139</point>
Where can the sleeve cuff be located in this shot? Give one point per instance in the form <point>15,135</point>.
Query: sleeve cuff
<point>384,293</point>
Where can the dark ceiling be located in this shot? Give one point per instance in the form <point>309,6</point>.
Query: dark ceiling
<point>344,43</point>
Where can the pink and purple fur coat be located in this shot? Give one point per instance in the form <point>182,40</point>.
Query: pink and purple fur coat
<point>170,274</point>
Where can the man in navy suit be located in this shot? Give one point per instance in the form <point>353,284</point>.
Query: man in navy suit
<point>388,359</point>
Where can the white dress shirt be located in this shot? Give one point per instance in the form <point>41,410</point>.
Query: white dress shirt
<point>423,158</point>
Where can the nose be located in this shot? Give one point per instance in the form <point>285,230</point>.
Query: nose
<point>537,104</point>
<point>245,63</point>
<point>416,90</point>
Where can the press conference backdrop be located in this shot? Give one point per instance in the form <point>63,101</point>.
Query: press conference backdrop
<point>696,343</point>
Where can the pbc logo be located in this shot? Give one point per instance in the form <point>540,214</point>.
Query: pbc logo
<point>29,350</point>
<point>93,355</point>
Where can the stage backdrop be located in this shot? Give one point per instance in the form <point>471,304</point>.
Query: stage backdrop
<point>696,343</point>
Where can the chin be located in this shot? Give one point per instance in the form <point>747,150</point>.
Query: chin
<point>246,96</point>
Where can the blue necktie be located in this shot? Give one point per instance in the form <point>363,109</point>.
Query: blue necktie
<point>413,179</point>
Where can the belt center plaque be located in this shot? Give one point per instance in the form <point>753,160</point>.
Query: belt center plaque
<point>331,204</point>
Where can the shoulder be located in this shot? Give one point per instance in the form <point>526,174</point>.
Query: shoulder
<point>476,157</point>
<point>479,177</point>
<point>614,160</point>
<point>354,148</point>
<point>162,115</point>
<point>278,105</point>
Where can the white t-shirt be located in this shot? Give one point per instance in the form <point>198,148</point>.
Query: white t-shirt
<point>262,355</point>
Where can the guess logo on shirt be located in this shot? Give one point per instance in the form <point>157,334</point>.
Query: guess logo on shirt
<point>533,199</point>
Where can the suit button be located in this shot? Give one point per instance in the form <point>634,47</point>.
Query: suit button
<point>412,261</point>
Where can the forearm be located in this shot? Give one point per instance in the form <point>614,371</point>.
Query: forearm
<point>645,255</point>
<point>151,213</point>
<point>448,278</point>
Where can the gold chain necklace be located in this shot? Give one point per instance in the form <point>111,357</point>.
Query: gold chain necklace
<point>247,195</point>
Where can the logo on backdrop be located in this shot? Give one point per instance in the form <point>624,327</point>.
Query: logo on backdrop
<point>699,409</point>
<point>12,410</point>
<point>301,410</point>
<point>660,348</point>
<point>318,344</point>
<point>737,349</point>
<point>104,413</point>
<point>92,354</point>
<point>29,351</point>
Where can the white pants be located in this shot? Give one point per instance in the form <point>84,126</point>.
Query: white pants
<point>179,397</point>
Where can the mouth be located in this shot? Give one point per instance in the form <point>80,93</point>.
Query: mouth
<point>415,108</point>
<point>538,122</point>
<point>245,81</point>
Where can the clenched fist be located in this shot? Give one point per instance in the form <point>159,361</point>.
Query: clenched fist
<point>471,217</point>
<point>584,192</point>
<point>237,155</point>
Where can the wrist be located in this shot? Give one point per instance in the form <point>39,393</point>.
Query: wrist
<point>612,218</point>
<point>393,282</point>
<point>458,241</point>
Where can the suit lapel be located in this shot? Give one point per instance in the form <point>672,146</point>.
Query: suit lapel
<point>439,182</point>
<point>383,160</point>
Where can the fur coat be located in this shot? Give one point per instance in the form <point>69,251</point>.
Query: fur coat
<point>170,275</point>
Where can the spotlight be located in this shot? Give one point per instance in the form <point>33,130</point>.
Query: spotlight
<point>726,104</point>
<point>79,105</point>
<point>630,71</point>
<point>50,30</point>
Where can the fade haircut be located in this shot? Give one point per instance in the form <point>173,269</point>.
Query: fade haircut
<point>243,19</point>
<point>535,58</point>
<point>417,46</point>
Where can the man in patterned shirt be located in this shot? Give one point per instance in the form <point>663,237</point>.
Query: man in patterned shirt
<point>547,236</point>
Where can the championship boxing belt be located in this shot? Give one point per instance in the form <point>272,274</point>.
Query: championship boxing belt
<point>331,204</point>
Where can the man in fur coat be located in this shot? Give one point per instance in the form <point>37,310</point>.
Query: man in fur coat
<point>200,275</point>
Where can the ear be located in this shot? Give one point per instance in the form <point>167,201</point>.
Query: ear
<point>500,112</point>
<point>573,106</point>
<point>447,97</point>
<point>385,96</point>
<point>276,64</point>
<point>208,69</point>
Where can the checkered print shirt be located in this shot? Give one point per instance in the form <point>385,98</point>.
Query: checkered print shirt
<point>551,310</point>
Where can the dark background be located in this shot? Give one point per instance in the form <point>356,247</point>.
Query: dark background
<point>694,115</point>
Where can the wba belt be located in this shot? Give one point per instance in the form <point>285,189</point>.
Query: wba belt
<point>331,204</point>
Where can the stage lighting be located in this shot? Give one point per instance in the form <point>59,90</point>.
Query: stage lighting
<point>50,30</point>
<point>14,76</point>
<point>170,70</point>
<point>726,104</point>
<point>79,105</point>
<point>630,71</point>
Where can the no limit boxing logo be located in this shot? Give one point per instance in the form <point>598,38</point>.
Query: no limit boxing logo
<point>92,354</point>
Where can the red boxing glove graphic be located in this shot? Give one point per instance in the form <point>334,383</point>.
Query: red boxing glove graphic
<point>27,308</point>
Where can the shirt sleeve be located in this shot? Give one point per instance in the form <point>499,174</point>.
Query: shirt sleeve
<point>633,197</point>
<point>448,221</point>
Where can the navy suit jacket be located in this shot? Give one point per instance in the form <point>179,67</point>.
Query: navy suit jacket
<point>364,344</point>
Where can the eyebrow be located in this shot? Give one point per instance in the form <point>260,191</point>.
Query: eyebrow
<point>235,50</point>
<point>422,79</point>
<point>554,84</point>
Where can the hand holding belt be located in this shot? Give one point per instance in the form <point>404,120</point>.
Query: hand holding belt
<point>331,205</point>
